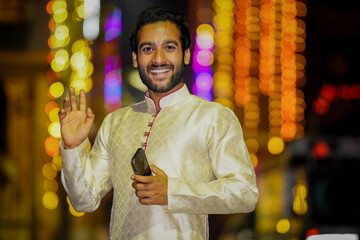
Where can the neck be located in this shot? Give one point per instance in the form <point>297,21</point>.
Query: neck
<point>156,96</point>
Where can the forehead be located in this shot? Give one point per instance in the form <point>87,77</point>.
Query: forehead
<point>158,32</point>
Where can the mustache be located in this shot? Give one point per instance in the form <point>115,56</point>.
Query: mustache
<point>160,65</point>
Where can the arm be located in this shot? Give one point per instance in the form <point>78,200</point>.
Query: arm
<point>85,176</point>
<point>234,190</point>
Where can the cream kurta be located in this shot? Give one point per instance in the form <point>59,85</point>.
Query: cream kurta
<point>198,144</point>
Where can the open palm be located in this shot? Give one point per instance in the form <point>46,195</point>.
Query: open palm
<point>75,123</point>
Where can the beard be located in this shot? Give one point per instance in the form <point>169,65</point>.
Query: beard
<point>175,78</point>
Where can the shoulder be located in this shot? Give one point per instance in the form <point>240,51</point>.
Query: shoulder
<point>211,107</point>
<point>118,114</point>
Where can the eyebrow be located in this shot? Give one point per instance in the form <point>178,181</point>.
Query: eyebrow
<point>163,43</point>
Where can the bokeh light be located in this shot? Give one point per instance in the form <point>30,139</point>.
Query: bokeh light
<point>72,210</point>
<point>56,89</point>
<point>113,62</point>
<point>50,200</point>
<point>91,15</point>
<point>202,60</point>
<point>57,162</point>
<point>276,145</point>
<point>283,226</point>
<point>49,171</point>
<point>52,146</point>
<point>54,129</point>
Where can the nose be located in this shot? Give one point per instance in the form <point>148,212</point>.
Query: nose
<point>159,57</point>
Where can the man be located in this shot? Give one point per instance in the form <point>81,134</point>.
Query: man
<point>198,157</point>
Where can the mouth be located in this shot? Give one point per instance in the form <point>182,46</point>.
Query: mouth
<point>159,70</point>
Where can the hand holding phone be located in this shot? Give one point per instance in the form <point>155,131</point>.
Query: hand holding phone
<point>140,164</point>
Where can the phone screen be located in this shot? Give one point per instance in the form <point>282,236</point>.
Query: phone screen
<point>140,164</point>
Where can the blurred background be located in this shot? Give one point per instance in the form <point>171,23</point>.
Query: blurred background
<point>287,68</point>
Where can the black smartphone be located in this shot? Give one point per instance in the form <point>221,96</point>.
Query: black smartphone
<point>140,164</point>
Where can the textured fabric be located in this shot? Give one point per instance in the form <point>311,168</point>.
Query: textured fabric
<point>198,144</point>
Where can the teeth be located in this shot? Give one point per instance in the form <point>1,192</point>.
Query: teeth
<point>159,71</point>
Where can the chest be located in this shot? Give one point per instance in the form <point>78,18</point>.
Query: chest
<point>176,142</point>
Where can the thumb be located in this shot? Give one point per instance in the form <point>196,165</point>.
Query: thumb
<point>89,115</point>
<point>61,115</point>
<point>157,170</point>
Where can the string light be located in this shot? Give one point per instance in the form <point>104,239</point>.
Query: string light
<point>75,62</point>
<point>202,60</point>
<point>113,62</point>
<point>330,94</point>
<point>224,22</point>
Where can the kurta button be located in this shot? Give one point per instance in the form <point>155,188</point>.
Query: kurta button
<point>146,133</point>
<point>150,124</point>
<point>154,114</point>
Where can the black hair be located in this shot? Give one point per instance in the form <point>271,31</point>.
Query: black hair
<point>158,14</point>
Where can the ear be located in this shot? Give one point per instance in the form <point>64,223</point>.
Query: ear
<point>134,59</point>
<point>187,56</point>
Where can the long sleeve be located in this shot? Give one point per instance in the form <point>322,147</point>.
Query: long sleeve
<point>85,176</point>
<point>234,190</point>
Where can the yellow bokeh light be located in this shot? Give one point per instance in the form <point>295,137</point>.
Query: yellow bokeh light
<point>254,159</point>
<point>300,206</point>
<point>50,185</point>
<point>60,61</point>
<point>78,60</point>
<point>81,45</point>
<point>226,5</point>
<point>74,212</point>
<point>80,11</point>
<point>54,129</point>
<point>276,145</point>
<point>252,145</point>
<point>61,32</point>
<point>56,67</point>
<point>205,30</point>
<point>86,71</point>
<point>50,200</point>
<point>79,83</point>
<point>57,162</point>
<point>283,226</point>
<point>59,4</point>
<point>49,171</point>
<point>56,43</point>
<point>54,114</point>
<point>56,89</point>
<point>61,57</point>
<point>60,15</point>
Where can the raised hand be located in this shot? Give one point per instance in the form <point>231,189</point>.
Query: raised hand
<point>75,124</point>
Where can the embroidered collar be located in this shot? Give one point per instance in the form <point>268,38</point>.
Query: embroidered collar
<point>172,98</point>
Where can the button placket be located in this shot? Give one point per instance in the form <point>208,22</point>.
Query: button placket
<point>147,133</point>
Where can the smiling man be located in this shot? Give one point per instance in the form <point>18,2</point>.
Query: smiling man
<point>196,149</point>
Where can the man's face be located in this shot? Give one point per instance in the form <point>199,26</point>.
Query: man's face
<point>160,57</point>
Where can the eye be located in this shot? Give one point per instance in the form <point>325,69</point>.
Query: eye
<point>170,47</point>
<point>147,49</point>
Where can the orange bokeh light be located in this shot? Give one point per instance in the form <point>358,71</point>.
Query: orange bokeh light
<point>52,146</point>
<point>49,106</point>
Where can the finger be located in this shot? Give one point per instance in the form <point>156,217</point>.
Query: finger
<point>142,194</point>
<point>156,170</point>
<point>142,179</point>
<point>73,99</point>
<point>139,186</point>
<point>62,114</point>
<point>66,105</point>
<point>82,100</point>
<point>146,201</point>
<point>90,116</point>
